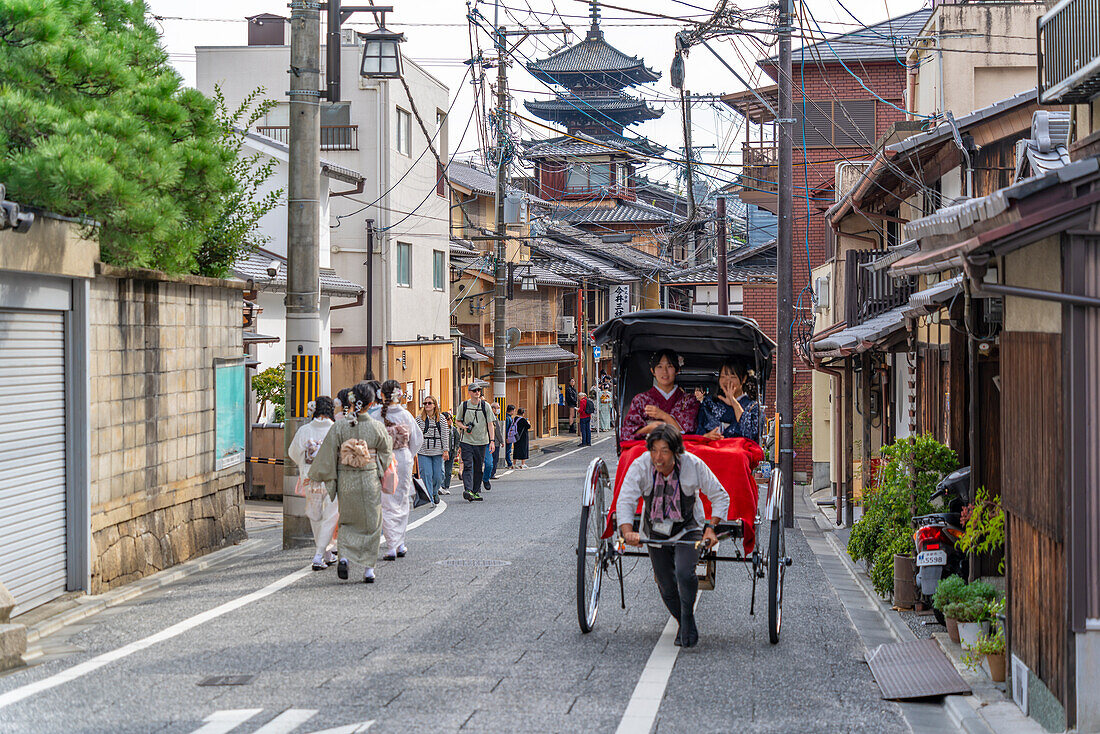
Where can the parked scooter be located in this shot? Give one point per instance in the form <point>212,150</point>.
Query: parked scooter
<point>937,555</point>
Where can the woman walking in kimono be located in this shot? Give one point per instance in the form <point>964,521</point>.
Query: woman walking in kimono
<point>604,402</point>
<point>351,463</point>
<point>323,512</point>
<point>407,440</point>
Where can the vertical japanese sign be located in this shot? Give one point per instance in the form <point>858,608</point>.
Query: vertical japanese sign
<point>620,300</point>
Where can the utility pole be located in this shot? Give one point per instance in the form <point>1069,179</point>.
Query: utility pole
<point>784,306</point>
<point>500,366</point>
<point>303,316</point>
<point>723,276</point>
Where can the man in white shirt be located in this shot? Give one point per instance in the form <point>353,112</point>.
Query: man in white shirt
<point>669,481</point>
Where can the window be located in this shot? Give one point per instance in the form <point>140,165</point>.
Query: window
<point>706,299</point>
<point>440,180</point>
<point>404,132</point>
<point>404,263</point>
<point>841,123</point>
<point>439,270</point>
<point>585,176</point>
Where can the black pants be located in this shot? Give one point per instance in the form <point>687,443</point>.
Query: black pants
<point>674,570</point>
<point>473,466</point>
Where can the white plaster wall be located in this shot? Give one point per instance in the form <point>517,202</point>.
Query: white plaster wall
<point>1035,266</point>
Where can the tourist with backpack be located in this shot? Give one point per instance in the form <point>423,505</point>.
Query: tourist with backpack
<point>437,445</point>
<point>475,424</point>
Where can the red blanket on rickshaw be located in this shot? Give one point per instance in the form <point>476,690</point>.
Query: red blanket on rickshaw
<point>732,461</point>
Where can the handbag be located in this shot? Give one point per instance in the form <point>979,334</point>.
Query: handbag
<point>423,496</point>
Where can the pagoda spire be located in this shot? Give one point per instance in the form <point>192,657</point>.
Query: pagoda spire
<point>594,31</point>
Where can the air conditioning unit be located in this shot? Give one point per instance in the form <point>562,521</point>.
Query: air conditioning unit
<point>349,37</point>
<point>567,325</point>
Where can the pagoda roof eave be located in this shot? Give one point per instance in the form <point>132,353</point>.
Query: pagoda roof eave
<point>593,56</point>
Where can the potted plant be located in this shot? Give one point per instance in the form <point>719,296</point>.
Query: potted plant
<point>968,615</point>
<point>992,648</point>
<point>950,590</point>
<point>984,526</point>
<point>903,489</point>
<point>995,611</point>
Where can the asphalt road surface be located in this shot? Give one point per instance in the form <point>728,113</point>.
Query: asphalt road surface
<point>474,631</point>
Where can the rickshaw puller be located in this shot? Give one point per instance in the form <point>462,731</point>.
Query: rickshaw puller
<point>669,481</point>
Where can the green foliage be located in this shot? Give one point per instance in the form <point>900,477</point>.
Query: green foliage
<point>949,590</point>
<point>983,591</point>
<point>234,233</point>
<point>95,124</point>
<point>993,644</point>
<point>270,387</point>
<point>985,528</point>
<point>968,610</point>
<point>904,489</point>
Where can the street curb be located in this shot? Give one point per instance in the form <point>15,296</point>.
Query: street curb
<point>88,606</point>
<point>964,715</point>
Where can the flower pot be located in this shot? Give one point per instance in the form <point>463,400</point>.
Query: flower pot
<point>969,632</point>
<point>905,582</point>
<point>996,662</point>
<point>952,629</point>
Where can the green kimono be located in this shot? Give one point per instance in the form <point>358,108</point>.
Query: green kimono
<point>359,490</point>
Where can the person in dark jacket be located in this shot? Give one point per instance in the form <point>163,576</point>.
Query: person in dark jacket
<point>521,448</point>
<point>571,403</point>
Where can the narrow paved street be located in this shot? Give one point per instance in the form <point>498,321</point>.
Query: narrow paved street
<point>474,631</point>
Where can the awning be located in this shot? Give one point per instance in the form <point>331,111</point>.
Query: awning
<point>930,299</point>
<point>251,337</point>
<point>473,355</point>
<point>861,337</point>
<point>539,353</point>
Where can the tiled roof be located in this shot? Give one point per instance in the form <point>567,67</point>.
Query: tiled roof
<point>761,253</point>
<point>883,41</point>
<point>462,247</point>
<point>574,261</point>
<point>543,275</point>
<point>622,255</point>
<point>861,337</point>
<point>538,353</point>
<point>622,211</point>
<point>571,105</point>
<point>254,267</point>
<point>593,54</point>
<point>708,273</point>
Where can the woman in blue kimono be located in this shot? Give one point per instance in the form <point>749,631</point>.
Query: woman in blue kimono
<point>733,412</point>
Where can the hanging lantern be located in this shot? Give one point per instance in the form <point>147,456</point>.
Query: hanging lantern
<point>381,54</point>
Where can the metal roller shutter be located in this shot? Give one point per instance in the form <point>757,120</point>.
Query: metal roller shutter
<point>32,456</point>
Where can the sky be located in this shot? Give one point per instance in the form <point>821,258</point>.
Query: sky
<point>438,39</point>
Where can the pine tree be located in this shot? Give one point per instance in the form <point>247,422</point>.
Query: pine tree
<point>94,123</point>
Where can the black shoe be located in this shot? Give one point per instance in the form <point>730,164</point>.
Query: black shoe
<point>677,642</point>
<point>487,485</point>
<point>342,570</point>
<point>468,496</point>
<point>689,637</point>
<point>475,497</point>
<point>401,552</point>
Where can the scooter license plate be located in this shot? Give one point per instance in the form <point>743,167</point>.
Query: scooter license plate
<point>932,558</point>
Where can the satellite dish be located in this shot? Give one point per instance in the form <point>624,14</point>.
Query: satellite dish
<point>511,337</point>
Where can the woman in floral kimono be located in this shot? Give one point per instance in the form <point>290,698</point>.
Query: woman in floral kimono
<point>351,463</point>
<point>407,440</point>
<point>664,403</point>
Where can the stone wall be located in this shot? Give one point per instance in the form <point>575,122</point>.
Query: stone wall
<point>156,499</point>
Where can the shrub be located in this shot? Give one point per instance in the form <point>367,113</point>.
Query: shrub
<point>984,526</point>
<point>982,591</point>
<point>905,486</point>
<point>950,590</point>
<point>968,610</point>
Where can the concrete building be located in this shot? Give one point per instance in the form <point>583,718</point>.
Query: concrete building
<point>402,329</point>
<point>969,55</point>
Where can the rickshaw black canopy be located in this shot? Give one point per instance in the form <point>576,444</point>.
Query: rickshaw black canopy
<point>703,340</point>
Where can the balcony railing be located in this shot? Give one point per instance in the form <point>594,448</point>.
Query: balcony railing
<point>760,163</point>
<point>868,292</point>
<point>333,137</point>
<point>1069,53</point>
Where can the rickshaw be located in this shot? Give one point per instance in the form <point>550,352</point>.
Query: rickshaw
<point>703,341</point>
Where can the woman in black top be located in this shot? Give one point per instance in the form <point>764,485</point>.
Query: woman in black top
<point>521,448</point>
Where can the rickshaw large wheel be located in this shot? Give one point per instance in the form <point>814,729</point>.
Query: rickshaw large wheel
<point>777,566</point>
<point>592,552</point>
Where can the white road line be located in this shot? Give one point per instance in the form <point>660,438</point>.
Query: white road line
<point>77,671</point>
<point>645,702</point>
<point>569,453</point>
<point>287,721</point>
<point>221,722</point>
<point>349,729</point>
